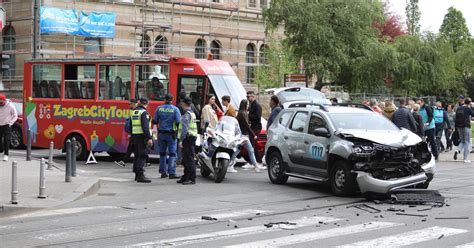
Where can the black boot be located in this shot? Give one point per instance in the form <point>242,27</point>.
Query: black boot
<point>136,177</point>
<point>143,179</point>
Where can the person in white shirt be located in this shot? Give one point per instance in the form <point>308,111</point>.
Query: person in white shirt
<point>8,116</point>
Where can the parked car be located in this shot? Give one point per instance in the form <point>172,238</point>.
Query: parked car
<point>16,140</point>
<point>349,148</point>
<point>289,95</point>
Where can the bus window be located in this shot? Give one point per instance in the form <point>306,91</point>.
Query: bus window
<point>192,86</point>
<point>114,82</point>
<point>79,81</point>
<point>152,81</point>
<point>46,78</point>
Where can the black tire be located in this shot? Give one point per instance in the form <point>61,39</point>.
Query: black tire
<point>343,182</point>
<point>205,172</point>
<point>81,147</point>
<point>220,169</point>
<point>276,170</point>
<point>16,139</point>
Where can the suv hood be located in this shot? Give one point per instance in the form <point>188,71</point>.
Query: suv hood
<point>398,138</point>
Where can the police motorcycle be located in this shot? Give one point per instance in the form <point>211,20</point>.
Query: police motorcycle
<point>218,145</point>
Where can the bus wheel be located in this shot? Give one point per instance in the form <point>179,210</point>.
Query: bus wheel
<point>81,147</point>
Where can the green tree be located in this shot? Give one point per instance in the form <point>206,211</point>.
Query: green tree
<point>465,65</point>
<point>279,61</point>
<point>413,17</point>
<point>454,28</point>
<point>328,35</point>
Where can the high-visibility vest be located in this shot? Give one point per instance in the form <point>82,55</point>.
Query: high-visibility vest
<point>137,121</point>
<point>192,127</point>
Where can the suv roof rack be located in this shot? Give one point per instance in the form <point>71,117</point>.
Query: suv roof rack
<point>353,105</point>
<point>306,104</point>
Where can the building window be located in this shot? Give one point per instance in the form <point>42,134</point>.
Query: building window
<point>263,54</point>
<point>216,49</point>
<point>161,45</point>
<point>92,46</point>
<point>200,49</point>
<point>263,4</point>
<point>250,60</point>
<point>9,44</point>
<point>145,45</point>
<point>252,3</point>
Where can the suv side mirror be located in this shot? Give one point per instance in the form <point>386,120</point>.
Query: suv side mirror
<point>322,132</point>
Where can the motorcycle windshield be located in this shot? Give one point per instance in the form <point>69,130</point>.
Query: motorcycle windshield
<point>228,125</point>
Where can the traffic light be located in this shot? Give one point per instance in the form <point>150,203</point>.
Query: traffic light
<point>4,59</point>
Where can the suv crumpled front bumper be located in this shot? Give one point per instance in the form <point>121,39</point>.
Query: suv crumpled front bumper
<point>369,184</point>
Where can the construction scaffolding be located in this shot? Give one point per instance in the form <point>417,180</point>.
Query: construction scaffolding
<point>227,28</point>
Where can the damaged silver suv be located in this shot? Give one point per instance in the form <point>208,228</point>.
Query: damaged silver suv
<point>349,147</point>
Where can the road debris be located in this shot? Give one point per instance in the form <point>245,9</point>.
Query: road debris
<point>417,196</point>
<point>271,224</point>
<point>208,218</point>
<point>415,215</point>
<point>440,237</point>
<point>392,209</point>
<point>366,208</point>
<point>130,208</point>
<point>452,218</point>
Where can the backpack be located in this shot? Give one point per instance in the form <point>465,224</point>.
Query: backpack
<point>459,118</point>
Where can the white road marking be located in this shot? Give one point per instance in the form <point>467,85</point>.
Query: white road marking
<point>312,236</point>
<point>125,227</point>
<point>408,238</point>
<point>212,236</point>
<point>468,245</point>
<point>44,213</point>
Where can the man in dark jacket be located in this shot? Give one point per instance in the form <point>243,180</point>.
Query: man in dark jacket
<point>403,117</point>
<point>141,135</point>
<point>255,119</point>
<point>275,106</point>
<point>418,120</point>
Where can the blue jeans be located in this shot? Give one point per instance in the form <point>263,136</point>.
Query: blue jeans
<point>167,144</point>
<point>250,151</point>
<point>465,140</point>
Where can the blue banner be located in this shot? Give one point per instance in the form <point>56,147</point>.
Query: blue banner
<point>53,20</point>
<point>97,25</point>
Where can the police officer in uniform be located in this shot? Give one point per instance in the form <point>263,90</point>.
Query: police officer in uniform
<point>167,116</point>
<point>187,134</point>
<point>141,135</point>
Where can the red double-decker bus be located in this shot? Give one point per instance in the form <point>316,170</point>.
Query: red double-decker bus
<point>88,98</point>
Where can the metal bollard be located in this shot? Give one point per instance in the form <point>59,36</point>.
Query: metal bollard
<point>50,158</point>
<point>42,187</point>
<point>28,145</point>
<point>68,161</point>
<point>73,157</point>
<point>14,184</point>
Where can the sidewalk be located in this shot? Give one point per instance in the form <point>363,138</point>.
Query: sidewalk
<point>57,191</point>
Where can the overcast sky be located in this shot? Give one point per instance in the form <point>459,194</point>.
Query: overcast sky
<point>433,12</point>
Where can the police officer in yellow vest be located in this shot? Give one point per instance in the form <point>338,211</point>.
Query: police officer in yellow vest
<point>187,135</point>
<point>141,135</point>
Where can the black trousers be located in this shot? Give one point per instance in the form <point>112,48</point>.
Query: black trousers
<point>5,136</point>
<point>187,159</point>
<point>430,137</point>
<point>141,154</point>
<point>439,134</point>
<point>130,149</point>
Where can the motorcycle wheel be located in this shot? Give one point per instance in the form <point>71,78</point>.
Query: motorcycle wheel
<point>220,169</point>
<point>205,172</point>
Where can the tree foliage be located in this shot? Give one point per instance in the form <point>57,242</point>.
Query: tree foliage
<point>454,28</point>
<point>413,17</point>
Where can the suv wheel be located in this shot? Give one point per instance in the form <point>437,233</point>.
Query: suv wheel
<point>343,182</point>
<point>276,170</point>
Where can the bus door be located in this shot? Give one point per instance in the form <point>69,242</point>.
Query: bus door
<point>194,87</point>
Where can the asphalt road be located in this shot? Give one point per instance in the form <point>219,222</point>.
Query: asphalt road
<point>163,213</point>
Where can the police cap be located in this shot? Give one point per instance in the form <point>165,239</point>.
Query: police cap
<point>169,97</point>
<point>143,100</point>
<point>187,100</point>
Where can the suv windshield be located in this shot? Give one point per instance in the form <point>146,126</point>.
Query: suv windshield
<point>362,121</point>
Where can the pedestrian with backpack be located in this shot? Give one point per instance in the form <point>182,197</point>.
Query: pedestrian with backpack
<point>441,122</point>
<point>462,122</point>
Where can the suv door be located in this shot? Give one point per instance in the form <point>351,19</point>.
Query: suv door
<point>294,138</point>
<point>315,157</point>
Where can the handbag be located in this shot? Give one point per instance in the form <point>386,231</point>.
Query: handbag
<point>455,137</point>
